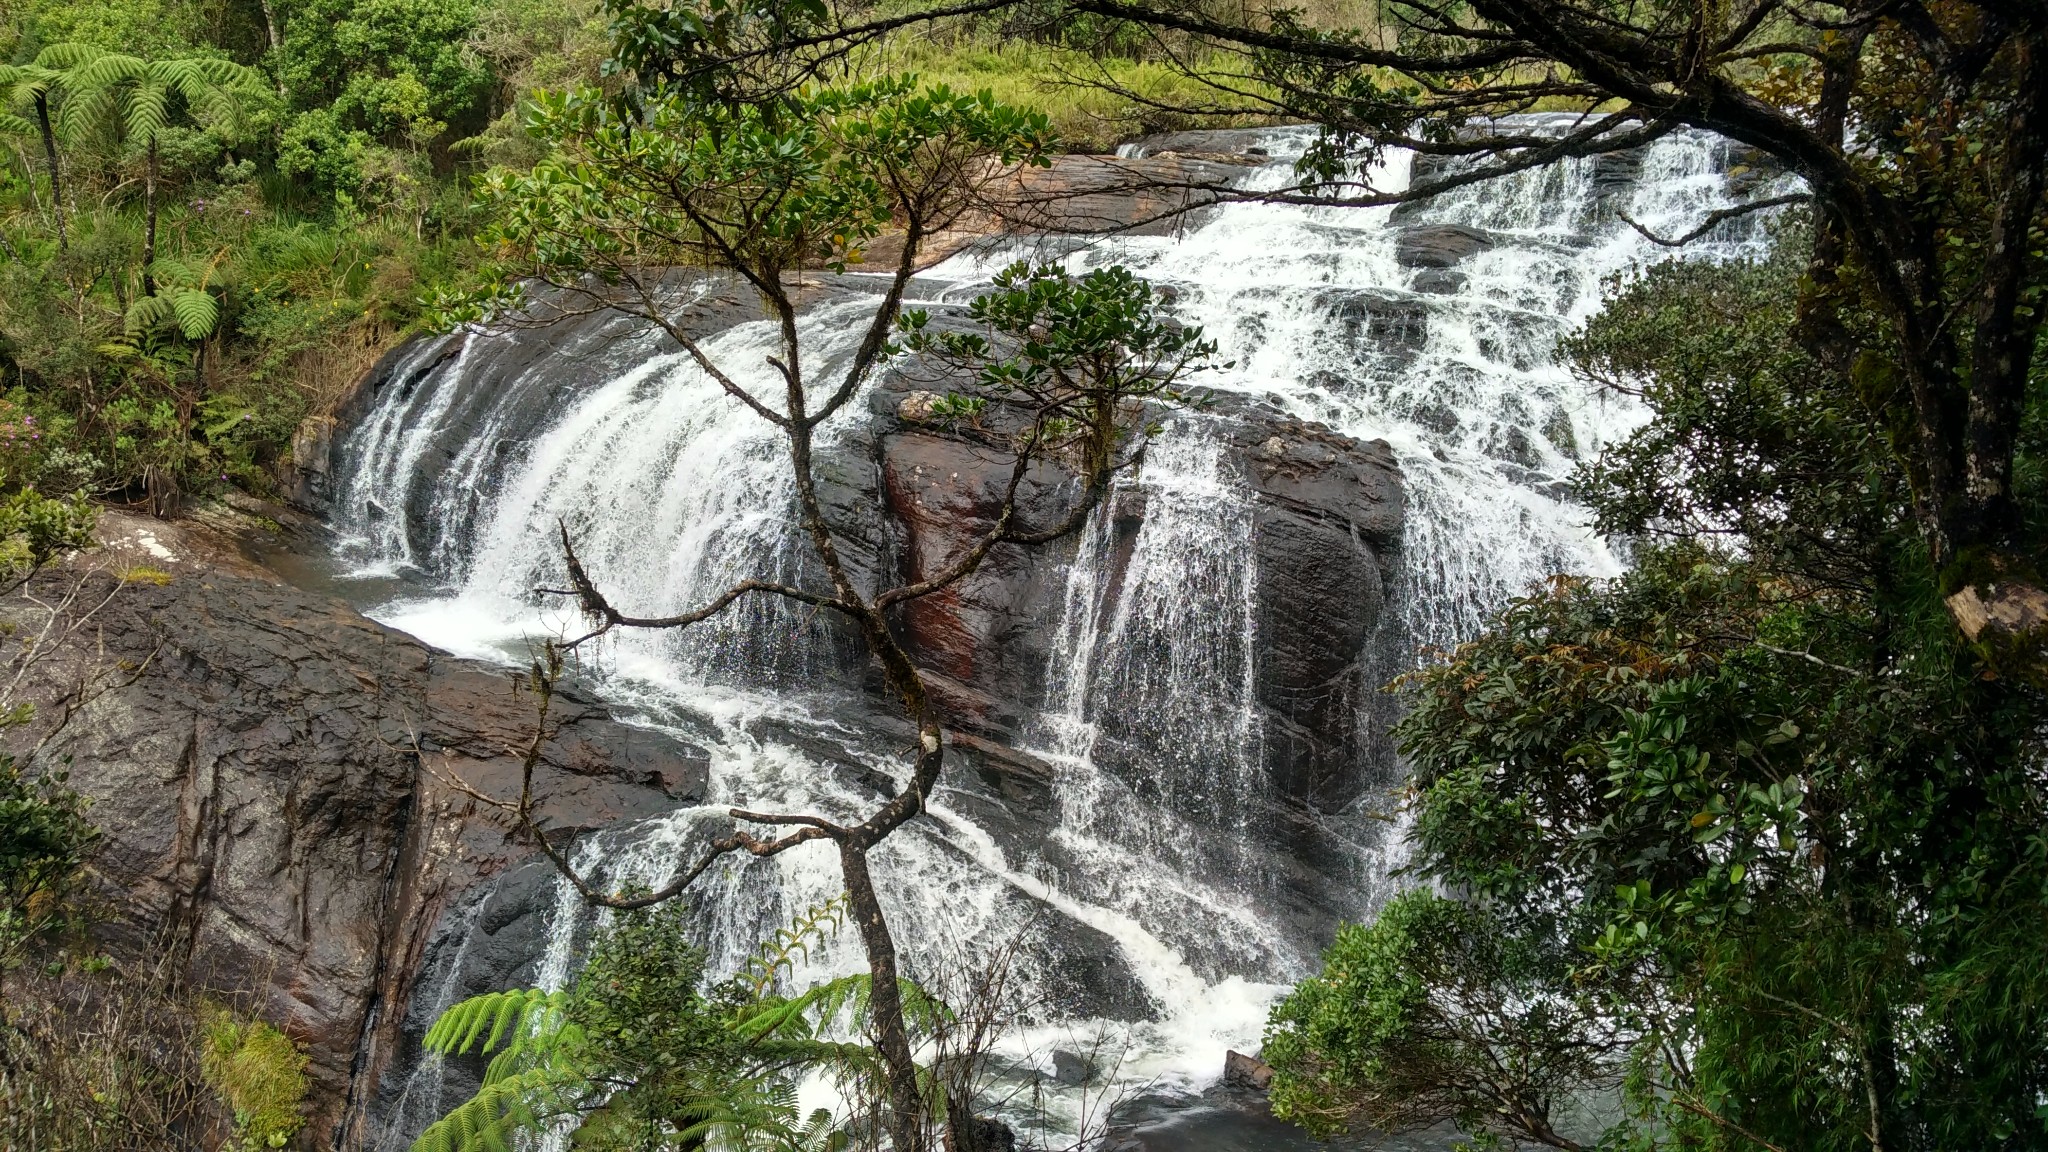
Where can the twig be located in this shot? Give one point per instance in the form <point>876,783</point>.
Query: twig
<point>1715,219</point>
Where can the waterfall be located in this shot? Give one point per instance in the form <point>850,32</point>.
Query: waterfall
<point>1149,894</point>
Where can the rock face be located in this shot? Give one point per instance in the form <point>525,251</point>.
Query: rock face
<point>1326,510</point>
<point>292,793</point>
<point>1440,245</point>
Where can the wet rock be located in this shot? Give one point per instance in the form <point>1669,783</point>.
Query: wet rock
<point>1237,145</point>
<point>1242,1071</point>
<point>1438,281</point>
<point>292,794</point>
<point>987,1134</point>
<point>1439,245</point>
<point>1072,1069</point>
<point>1138,196</point>
<point>1381,323</point>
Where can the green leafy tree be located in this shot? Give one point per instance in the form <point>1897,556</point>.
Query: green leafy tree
<point>368,76</point>
<point>1077,351</point>
<point>135,100</point>
<point>1760,818</point>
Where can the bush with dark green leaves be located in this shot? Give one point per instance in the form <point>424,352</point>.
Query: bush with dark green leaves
<point>45,842</point>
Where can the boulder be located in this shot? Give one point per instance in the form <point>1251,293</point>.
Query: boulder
<point>292,794</point>
<point>1072,1068</point>
<point>1439,245</point>
<point>1242,1071</point>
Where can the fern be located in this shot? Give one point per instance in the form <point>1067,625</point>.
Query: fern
<point>485,1122</point>
<point>778,953</point>
<point>727,1097</point>
<point>531,1077</point>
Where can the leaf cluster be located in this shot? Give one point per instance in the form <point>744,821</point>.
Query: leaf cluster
<point>643,1052</point>
<point>45,843</point>
<point>1080,353</point>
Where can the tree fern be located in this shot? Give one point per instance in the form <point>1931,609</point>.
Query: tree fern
<point>487,1121</point>
<point>137,98</point>
<point>640,1054</point>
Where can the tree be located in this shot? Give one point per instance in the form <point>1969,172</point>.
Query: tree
<point>34,85</point>
<point>1768,841</point>
<point>176,322</point>
<point>134,100</point>
<point>640,1052</point>
<point>752,171</point>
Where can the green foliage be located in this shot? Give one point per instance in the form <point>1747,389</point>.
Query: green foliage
<point>764,188</point>
<point>136,99</point>
<point>1411,1012</point>
<point>34,528</point>
<point>260,1073</point>
<point>639,1053</point>
<point>184,304</point>
<point>45,842</point>
<point>1776,833</point>
<point>1074,350</point>
<point>395,70</point>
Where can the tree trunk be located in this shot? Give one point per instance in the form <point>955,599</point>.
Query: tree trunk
<point>56,178</point>
<point>149,220</point>
<point>270,29</point>
<point>885,1000</point>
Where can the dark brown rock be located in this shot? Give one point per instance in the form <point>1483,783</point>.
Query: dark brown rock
<point>1327,509</point>
<point>1242,1071</point>
<point>290,792</point>
<point>1110,194</point>
<point>1439,245</point>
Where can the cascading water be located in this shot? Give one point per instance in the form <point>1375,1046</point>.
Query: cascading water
<point>1148,868</point>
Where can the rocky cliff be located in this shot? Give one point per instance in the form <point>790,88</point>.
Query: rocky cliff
<point>291,793</point>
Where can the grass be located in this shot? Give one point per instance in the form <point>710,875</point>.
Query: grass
<point>1087,116</point>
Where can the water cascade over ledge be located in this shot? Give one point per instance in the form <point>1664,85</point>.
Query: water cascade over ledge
<point>1137,817</point>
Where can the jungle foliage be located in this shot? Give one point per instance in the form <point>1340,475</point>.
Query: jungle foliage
<point>1745,849</point>
<point>642,1051</point>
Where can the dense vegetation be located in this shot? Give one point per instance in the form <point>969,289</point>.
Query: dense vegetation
<point>1743,849</point>
<point>215,213</point>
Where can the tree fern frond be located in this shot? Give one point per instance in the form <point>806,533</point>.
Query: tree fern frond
<point>91,106</point>
<point>457,1029</point>
<point>65,57</point>
<point>171,270</point>
<point>147,111</point>
<point>108,70</point>
<point>483,1123</point>
<point>197,311</point>
<point>776,954</point>
<point>147,312</point>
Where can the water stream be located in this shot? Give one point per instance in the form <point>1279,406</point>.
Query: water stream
<point>1153,873</point>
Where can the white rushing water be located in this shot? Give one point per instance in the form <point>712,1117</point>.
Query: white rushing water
<point>674,492</point>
